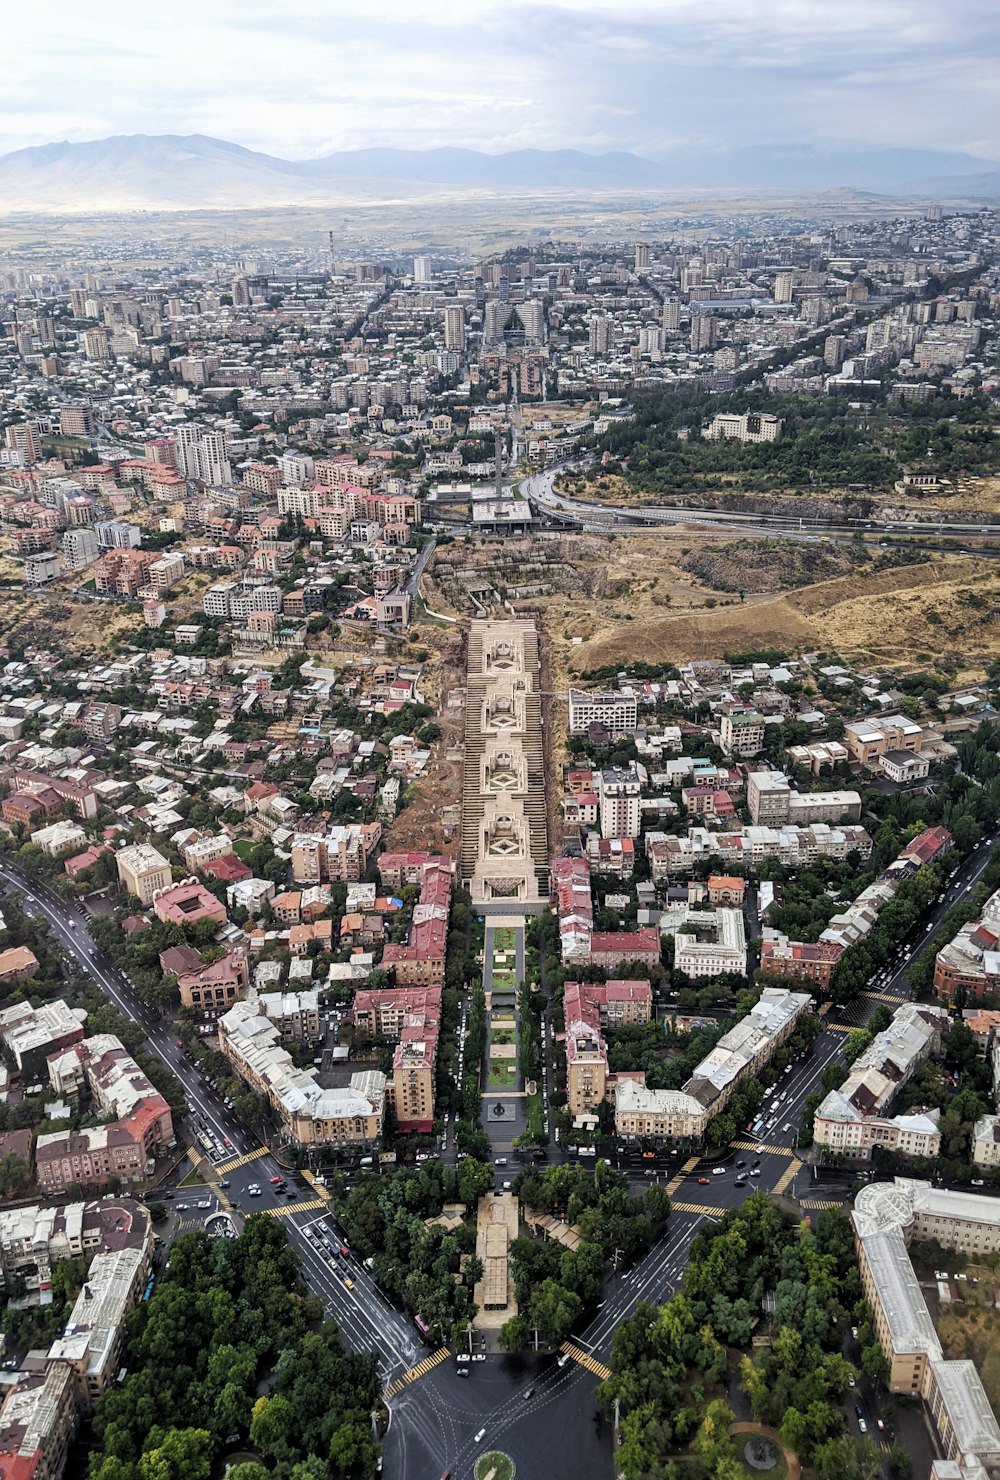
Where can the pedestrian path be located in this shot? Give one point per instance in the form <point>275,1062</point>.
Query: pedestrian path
<point>414,1374</point>
<point>676,1181</point>
<point>586,1360</point>
<point>793,1167</point>
<point>308,1205</point>
<point>703,1209</point>
<point>241,1161</point>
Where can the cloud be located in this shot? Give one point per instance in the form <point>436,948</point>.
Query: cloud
<point>319,75</point>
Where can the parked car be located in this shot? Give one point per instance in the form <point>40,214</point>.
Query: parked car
<point>703,1182</point>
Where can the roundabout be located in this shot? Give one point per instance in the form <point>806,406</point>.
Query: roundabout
<point>494,1465</point>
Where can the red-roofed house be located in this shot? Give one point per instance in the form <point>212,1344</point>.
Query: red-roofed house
<point>613,948</point>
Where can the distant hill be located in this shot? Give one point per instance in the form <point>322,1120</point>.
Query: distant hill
<point>136,172</point>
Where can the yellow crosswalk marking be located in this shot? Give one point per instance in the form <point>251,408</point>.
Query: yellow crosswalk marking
<point>308,1205</point>
<point>814,1206</point>
<point>786,1177</point>
<point>586,1360</point>
<point>701,1208</point>
<point>772,1150</point>
<point>841,1027</point>
<point>675,1182</point>
<point>414,1374</point>
<point>241,1161</point>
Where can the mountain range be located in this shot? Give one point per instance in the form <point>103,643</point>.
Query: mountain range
<point>133,172</point>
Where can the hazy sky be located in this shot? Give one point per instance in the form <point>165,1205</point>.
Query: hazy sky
<point>309,76</point>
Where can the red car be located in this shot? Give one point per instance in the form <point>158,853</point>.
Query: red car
<point>344,1251</point>
<point>277,1181</point>
<point>704,1182</point>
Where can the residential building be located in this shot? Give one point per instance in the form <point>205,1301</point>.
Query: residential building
<point>787,960</point>
<point>986,1141</point>
<point>712,943</point>
<point>38,1420</point>
<point>852,1120</point>
<point>614,949</point>
<point>17,964</point>
<point>620,791</point>
<point>143,871</point>
<point>656,1116</point>
<point>971,962</point>
<point>312,1117</point>
<point>188,904</point>
<point>294,1014</point>
<point>617,712</point>
<point>869,740</point>
<point>741,731</point>
<point>31,1034</point>
<point>747,1047</point>
<point>93,1339</point>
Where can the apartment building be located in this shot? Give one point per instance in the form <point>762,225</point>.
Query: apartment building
<point>17,964</point>
<point>294,1014</point>
<point>772,800</point>
<point>383,1013</point>
<point>747,1047</point>
<point>31,1034</point>
<point>986,1141</point>
<point>589,1009</point>
<point>620,791</point>
<point>676,857</point>
<point>792,960</point>
<point>421,961</point>
<point>868,740</point>
<point>852,1120</point>
<point>348,1118</point>
<point>572,901</point>
<point>613,949</point>
<point>143,871</point>
<point>656,1115</point>
<point>139,1121</point>
<point>741,731</point>
<point>886,1217</point>
<point>38,1420</point>
<point>93,1339</point>
<point>971,962</point>
<point>341,854</point>
<point>123,572</point>
<point>617,712</point>
<point>711,943</point>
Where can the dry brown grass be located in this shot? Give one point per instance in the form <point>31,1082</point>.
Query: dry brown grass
<point>889,616</point>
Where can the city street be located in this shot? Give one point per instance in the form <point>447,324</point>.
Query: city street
<point>434,1418</point>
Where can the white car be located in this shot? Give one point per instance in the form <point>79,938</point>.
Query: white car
<point>480,1437</point>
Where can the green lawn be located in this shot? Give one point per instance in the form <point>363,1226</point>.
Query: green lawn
<point>494,1466</point>
<point>503,1073</point>
<point>501,1035</point>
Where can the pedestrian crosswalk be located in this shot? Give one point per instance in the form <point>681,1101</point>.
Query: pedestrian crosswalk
<point>586,1360</point>
<point>771,1150</point>
<point>841,1027</point>
<point>414,1374</point>
<point>241,1161</point>
<point>787,1176</point>
<point>308,1205</point>
<point>814,1205</point>
<point>676,1181</point>
<point>703,1209</point>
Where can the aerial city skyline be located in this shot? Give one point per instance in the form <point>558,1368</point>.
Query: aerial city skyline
<point>500,742</point>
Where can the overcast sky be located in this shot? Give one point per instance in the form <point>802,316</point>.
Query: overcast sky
<point>306,77</point>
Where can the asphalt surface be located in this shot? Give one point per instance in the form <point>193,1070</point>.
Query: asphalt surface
<point>368,1321</point>
<point>435,1419</point>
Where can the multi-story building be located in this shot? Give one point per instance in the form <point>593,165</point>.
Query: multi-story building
<point>971,962</point>
<point>25,438</point>
<point>986,1141</point>
<point>747,1047</point>
<point>30,1034</point>
<point>711,943</point>
<point>656,1115</point>
<point>340,855</point>
<point>294,1014</point>
<point>203,455</point>
<point>123,572</point>
<point>741,731</point>
<point>313,1117</point>
<point>620,793</point>
<point>94,1337</point>
<point>749,427</point>
<point>613,949</point>
<point>852,1120</point>
<point>673,857</point>
<point>214,988</point>
<point>143,871</point>
<point>618,713</point>
<point>800,961</point>
<point>454,327</point>
<point>79,548</point>
<point>188,904</point>
<point>589,1009</point>
<point>869,740</point>
<point>886,1217</point>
